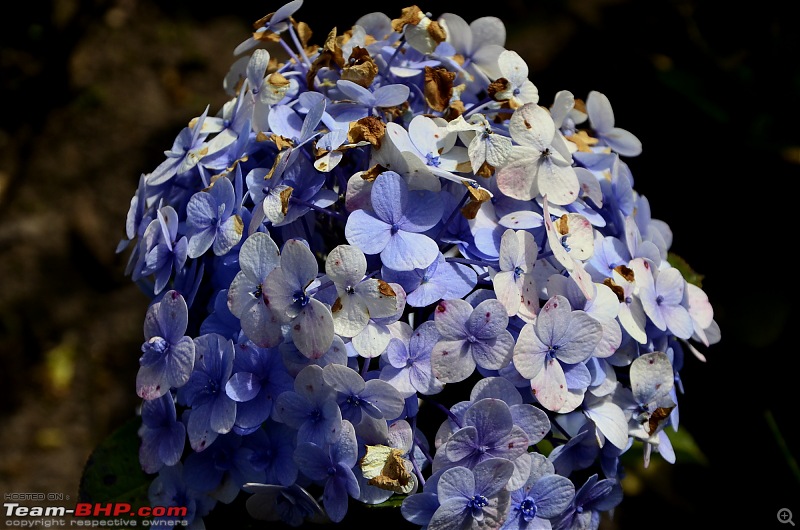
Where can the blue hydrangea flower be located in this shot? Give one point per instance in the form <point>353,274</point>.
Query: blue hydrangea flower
<point>407,366</point>
<point>269,450</point>
<point>544,496</point>
<point>247,300</point>
<point>258,378</point>
<point>333,467</point>
<point>497,255</point>
<point>591,499</point>
<point>285,291</point>
<point>441,280</point>
<point>168,354</point>
<point>394,229</point>
<point>487,431</point>
<point>311,408</point>
<point>212,223</point>
<point>163,436</point>
<point>212,411</point>
<point>356,397</point>
<point>184,155</point>
<point>473,497</point>
<point>553,348</point>
<point>168,253</point>
<point>170,488</point>
<point>470,337</point>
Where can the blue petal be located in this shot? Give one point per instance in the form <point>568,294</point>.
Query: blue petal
<point>242,386</point>
<point>390,197</point>
<point>407,250</point>
<point>367,232</point>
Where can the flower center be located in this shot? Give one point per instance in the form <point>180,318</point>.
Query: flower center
<point>476,504</point>
<point>299,297</point>
<point>432,160</point>
<point>528,509</point>
<point>156,345</point>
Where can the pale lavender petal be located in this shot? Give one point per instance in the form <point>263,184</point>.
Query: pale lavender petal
<point>242,386</point>
<point>553,320</point>
<point>491,417</point>
<point>532,420</point>
<point>198,428</point>
<point>179,362</point>
<point>553,493</point>
<point>391,95</point>
<point>228,235</point>
<point>367,232</point>
<point>389,197</point>
<point>200,241</point>
<point>529,352</point>
<point>601,116</point>
<point>462,444</point>
<point>580,338</point>
<point>550,385</point>
<point>312,329</point>
<point>223,414</point>
<point>258,256</point>
<point>491,475</point>
<point>494,353</point>
<point>451,318</point>
<point>151,381</point>
<point>623,142</point>
<point>577,376</point>
<point>385,397</point>
<point>407,250</point>
<point>298,263</point>
<point>678,321</point>
<point>488,320</point>
<point>172,315</point>
<point>457,482</point>
<point>452,513</point>
<point>424,210</point>
<point>452,361</point>
<point>261,325</point>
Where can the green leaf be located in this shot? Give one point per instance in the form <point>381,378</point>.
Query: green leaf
<point>689,274</point>
<point>113,473</point>
<point>392,502</point>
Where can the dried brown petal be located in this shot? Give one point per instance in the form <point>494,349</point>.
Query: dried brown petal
<point>438,87</point>
<point>385,289</point>
<point>408,15</point>
<point>616,289</point>
<point>625,272</point>
<point>499,85</point>
<point>285,195</point>
<point>373,172</point>
<point>562,225</point>
<point>360,68</point>
<point>331,55</point>
<point>370,129</point>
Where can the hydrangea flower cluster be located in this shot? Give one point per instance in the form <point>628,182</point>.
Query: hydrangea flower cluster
<point>391,227</point>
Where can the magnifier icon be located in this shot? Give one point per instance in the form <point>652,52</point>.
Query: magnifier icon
<point>785,516</point>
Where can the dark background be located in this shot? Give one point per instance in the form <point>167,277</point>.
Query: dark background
<point>93,92</point>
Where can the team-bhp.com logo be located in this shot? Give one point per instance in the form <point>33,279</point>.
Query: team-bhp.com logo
<point>122,513</point>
